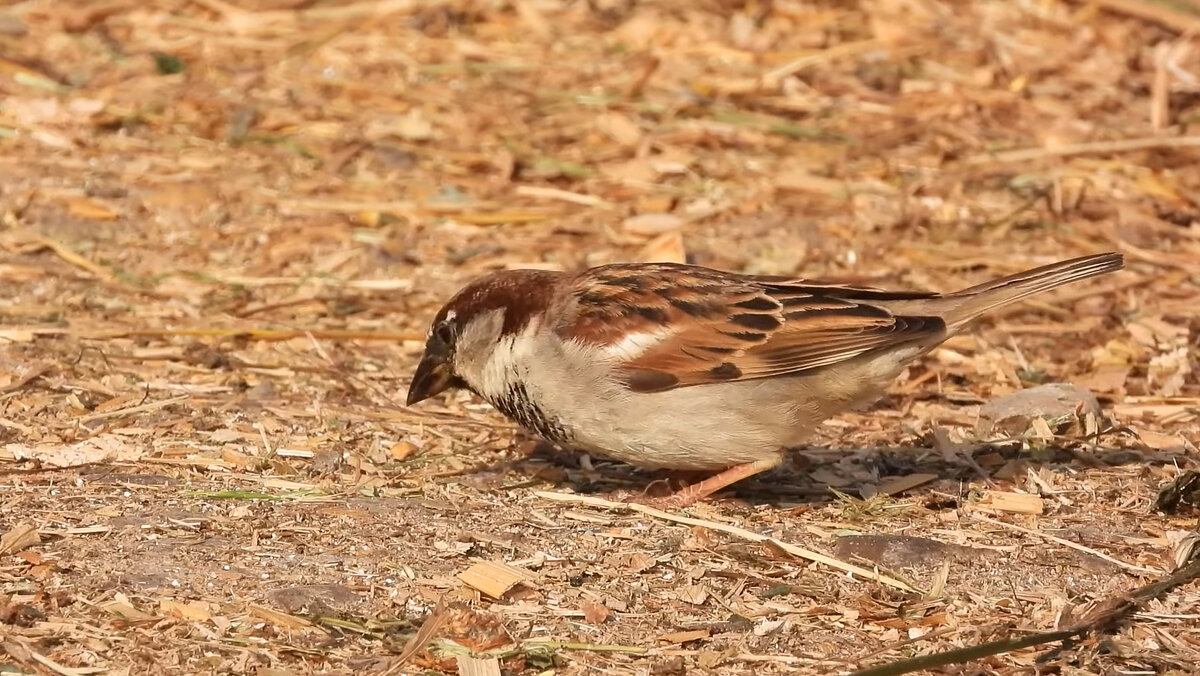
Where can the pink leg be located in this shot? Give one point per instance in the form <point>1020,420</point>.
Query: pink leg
<point>699,491</point>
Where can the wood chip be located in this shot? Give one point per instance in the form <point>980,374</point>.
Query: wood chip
<point>123,609</point>
<point>282,619</point>
<point>402,450</point>
<point>802,181</point>
<point>684,636</point>
<point>195,611</point>
<point>294,453</point>
<point>21,536</point>
<point>666,248</point>
<point>693,594</point>
<point>477,666</point>
<point>1162,442</point>
<point>652,225</point>
<point>900,484</point>
<point>90,209</point>
<point>595,613</point>
<point>495,578</point>
<point>88,530</point>
<point>1017,503</point>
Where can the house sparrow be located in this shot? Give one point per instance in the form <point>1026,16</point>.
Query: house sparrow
<point>685,367</point>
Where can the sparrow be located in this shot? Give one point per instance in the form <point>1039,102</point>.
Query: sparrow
<point>684,367</point>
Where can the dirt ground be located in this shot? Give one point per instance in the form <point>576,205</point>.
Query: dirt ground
<point>225,226</point>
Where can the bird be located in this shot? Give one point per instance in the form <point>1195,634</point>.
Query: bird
<point>684,367</point>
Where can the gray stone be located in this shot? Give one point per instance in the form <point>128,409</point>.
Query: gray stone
<point>900,551</point>
<point>315,597</point>
<point>1059,404</point>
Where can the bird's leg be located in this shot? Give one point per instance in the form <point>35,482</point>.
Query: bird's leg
<point>665,481</point>
<point>699,491</point>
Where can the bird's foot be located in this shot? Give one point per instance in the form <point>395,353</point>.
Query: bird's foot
<point>683,497</point>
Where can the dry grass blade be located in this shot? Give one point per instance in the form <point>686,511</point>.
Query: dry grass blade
<point>1067,543</point>
<point>429,628</point>
<point>62,251</point>
<point>1096,148</point>
<point>562,195</point>
<point>840,51</point>
<point>141,408</point>
<point>742,533</point>
<point>284,620</point>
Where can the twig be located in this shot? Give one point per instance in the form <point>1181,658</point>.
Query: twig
<point>563,195</point>
<point>1095,148</point>
<point>1067,543</point>
<point>730,530</point>
<point>314,205</point>
<point>845,49</point>
<point>1160,89</point>
<point>961,655</point>
<point>1159,13</point>
<point>649,68</point>
<point>1102,617</point>
<point>64,252</point>
<point>95,270</point>
<point>154,405</point>
<point>36,371</point>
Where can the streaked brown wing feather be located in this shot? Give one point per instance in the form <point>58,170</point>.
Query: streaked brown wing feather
<point>732,327</point>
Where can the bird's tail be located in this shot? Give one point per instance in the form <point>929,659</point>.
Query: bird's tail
<point>963,306</point>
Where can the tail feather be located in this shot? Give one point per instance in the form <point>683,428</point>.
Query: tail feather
<point>965,305</point>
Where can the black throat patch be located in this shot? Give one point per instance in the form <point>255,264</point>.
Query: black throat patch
<point>517,405</point>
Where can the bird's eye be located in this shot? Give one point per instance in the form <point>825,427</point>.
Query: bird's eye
<point>444,332</point>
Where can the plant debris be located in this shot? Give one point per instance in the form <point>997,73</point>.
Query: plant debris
<point>224,228</point>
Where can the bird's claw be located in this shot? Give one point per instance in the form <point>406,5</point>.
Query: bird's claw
<point>684,497</point>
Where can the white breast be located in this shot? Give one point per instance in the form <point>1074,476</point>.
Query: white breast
<point>573,389</point>
<point>575,395</point>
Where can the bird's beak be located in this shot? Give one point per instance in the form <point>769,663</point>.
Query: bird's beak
<point>433,376</point>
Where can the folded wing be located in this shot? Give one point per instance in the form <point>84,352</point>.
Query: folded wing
<point>675,326</point>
